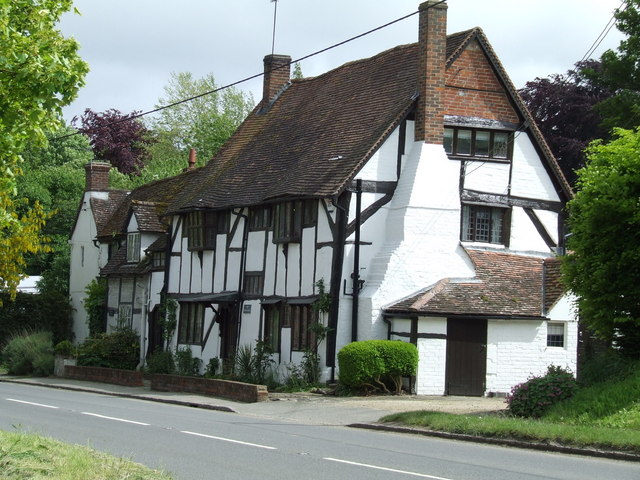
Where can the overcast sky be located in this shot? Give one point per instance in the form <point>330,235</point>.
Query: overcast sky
<point>132,46</point>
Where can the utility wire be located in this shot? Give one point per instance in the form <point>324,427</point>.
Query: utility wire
<point>605,31</point>
<point>257,75</point>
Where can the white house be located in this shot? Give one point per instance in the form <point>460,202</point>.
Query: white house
<point>413,187</point>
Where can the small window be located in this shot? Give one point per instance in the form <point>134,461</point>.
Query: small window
<point>133,247</point>
<point>158,259</point>
<point>287,226</point>
<point>253,284</point>
<point>555,335</point>
<point>485,224</point>
<point>202,228</point>
<point>125,315</point>
<point>259,218</point>
<point>310,214</point>
<point>301,318</point>
<point>271,337</point>
<point>191,323</point>
<point>477,143</point>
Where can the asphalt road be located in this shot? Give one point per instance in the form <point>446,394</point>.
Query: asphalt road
<point>198,444</point>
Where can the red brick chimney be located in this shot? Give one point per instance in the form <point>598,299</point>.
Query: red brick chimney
<point>192,159</point>
<point>97,176</point>
<point>277,72</point>
<point>432,43</point>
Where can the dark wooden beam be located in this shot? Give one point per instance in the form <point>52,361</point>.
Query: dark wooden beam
<point>510,201</point>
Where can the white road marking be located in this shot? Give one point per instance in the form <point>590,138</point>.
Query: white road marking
<point>228,440</point>
<point>31,403</point>
<point>115,418</point>
<point>415,474</point>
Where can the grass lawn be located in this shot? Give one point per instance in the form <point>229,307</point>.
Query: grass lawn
<point>605,415</point>
<point>28,456</point>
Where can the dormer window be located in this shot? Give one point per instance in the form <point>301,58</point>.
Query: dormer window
<point>133,247</point>
<point>474,143</point>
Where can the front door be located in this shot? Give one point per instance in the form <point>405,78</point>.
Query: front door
<point>228,314</point>
<point>156,340</point>
<point>466,368</point>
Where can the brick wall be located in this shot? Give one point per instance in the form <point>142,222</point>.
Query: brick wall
<point>97,176</point>
<point>473,90</point>
<point>238,391</point>
<point>128,378</point>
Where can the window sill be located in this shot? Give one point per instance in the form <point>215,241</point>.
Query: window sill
<point>479,159</point>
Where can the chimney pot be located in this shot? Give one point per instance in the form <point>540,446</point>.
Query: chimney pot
<point>97,176</point>
<point>277,73</point>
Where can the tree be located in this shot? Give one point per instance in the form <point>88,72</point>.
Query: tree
<point>40,72</point>
<point>603,268</point>
<point>563,108</point>
<point>120,139</point>
<point>620,72</point>
<point>203,123</point>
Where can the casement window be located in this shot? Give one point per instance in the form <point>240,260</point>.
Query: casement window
<point>133,247</point>
<point>191,323</point>
<point>555,334</point>
<point>125,315</point>
<point>466,142</point>
<point>158,259</point>
<point>253,284</point>
<point>291,218</point>
<point>202,228</point>
<point>259,218</point>
<point>271,335</point>
<point>485,224</point>
<point>300,318</point>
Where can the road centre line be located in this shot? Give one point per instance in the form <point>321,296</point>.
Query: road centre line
<point>228,440</point>
<point>386,469</point>
<point>31,403</point>
<point>115,418</point>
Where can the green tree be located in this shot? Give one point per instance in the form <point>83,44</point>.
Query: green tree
<point>603,268</point>
<point>620,72</point>
<point>203,123</point>
<point>40,72</point>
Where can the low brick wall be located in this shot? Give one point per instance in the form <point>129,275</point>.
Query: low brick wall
<point>238,391</point>
<point>128,378</point>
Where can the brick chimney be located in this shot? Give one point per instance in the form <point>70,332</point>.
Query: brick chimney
<point>277,72</point>
<point>432,43</point>
<point>97,176</point>
<point>192,159</point>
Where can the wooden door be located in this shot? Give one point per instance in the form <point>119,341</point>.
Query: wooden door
<point>155,335</point>
<point>466,367</point>
<point>228,329</point>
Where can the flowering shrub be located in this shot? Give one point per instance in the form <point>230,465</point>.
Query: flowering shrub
<point>533,397</point>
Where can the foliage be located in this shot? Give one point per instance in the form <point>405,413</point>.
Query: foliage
<point>161,361</point>
<point>64,348</point>
<point>562,106</point>
<point>603,268</point>
<point>211,370</point>
<point>168,319</point>
<point>323,303</point>
<point>118,138</point>
<point>50,312</point>
<point>533,397</point>
<point>186,364</point>
<point>29,353</point>
<point>95,305</point>
<point>297,72</point>
<point>372,363</point>
<point>40,74</point>
<point>252,365</point>
<point>118,349</point>
<point>30,456</point>
<point>203,123</point>
<point>620,72</point>
<point>609,365</point>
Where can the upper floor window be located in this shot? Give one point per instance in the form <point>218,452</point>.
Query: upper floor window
<point>485,224</point>
<point>202,228</point>
<point>259,218</point>
<point>291,217</point>
<point>478,143</point>
<point>253,284</point>
<point>133,247</point>
<point>158,259</point>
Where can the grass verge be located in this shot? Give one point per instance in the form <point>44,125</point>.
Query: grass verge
<point>28,456</point>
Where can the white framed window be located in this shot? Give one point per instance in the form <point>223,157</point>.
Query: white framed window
<point>125,315</point>
<point>133,247</point>
<point>555,334</point>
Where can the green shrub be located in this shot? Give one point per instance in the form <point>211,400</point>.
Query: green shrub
<point>186,364</point>
<point>161,362</point>
<point>533,397</point>
<point>211,371</point>
<point>376,363</point>
<point>64,348</point>
<point>29,353</point>
<point>253,365</point>
<point>605,366</point>
<point>119,349</point>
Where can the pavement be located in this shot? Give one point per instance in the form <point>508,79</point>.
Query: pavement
<point>319,409</point>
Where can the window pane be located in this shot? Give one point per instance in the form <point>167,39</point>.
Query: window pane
<point>482,223</point>
<point>482,144</point>
<point>555,335</point>
<point>500,140</point>
<point>448,140</point>
<point>464,142</point>
<point>467,227</point>
<point>496,225</point>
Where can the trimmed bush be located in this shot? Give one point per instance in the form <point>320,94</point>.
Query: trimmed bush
<point>29,353</point>
<point>376,363</point>
<point>186,364</point>
<point>161,362</point>
<point>532,398</point>
<point>119,349</point>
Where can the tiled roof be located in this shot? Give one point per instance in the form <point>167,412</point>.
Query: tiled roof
<point>505,285</point>
<point>103,208</point>
<point>148,215</point>
<point>117,264</point>
<point>319,132</point>
<point>553,287</point>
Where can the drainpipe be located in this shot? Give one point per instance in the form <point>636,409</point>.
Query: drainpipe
<point>356,266</point>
